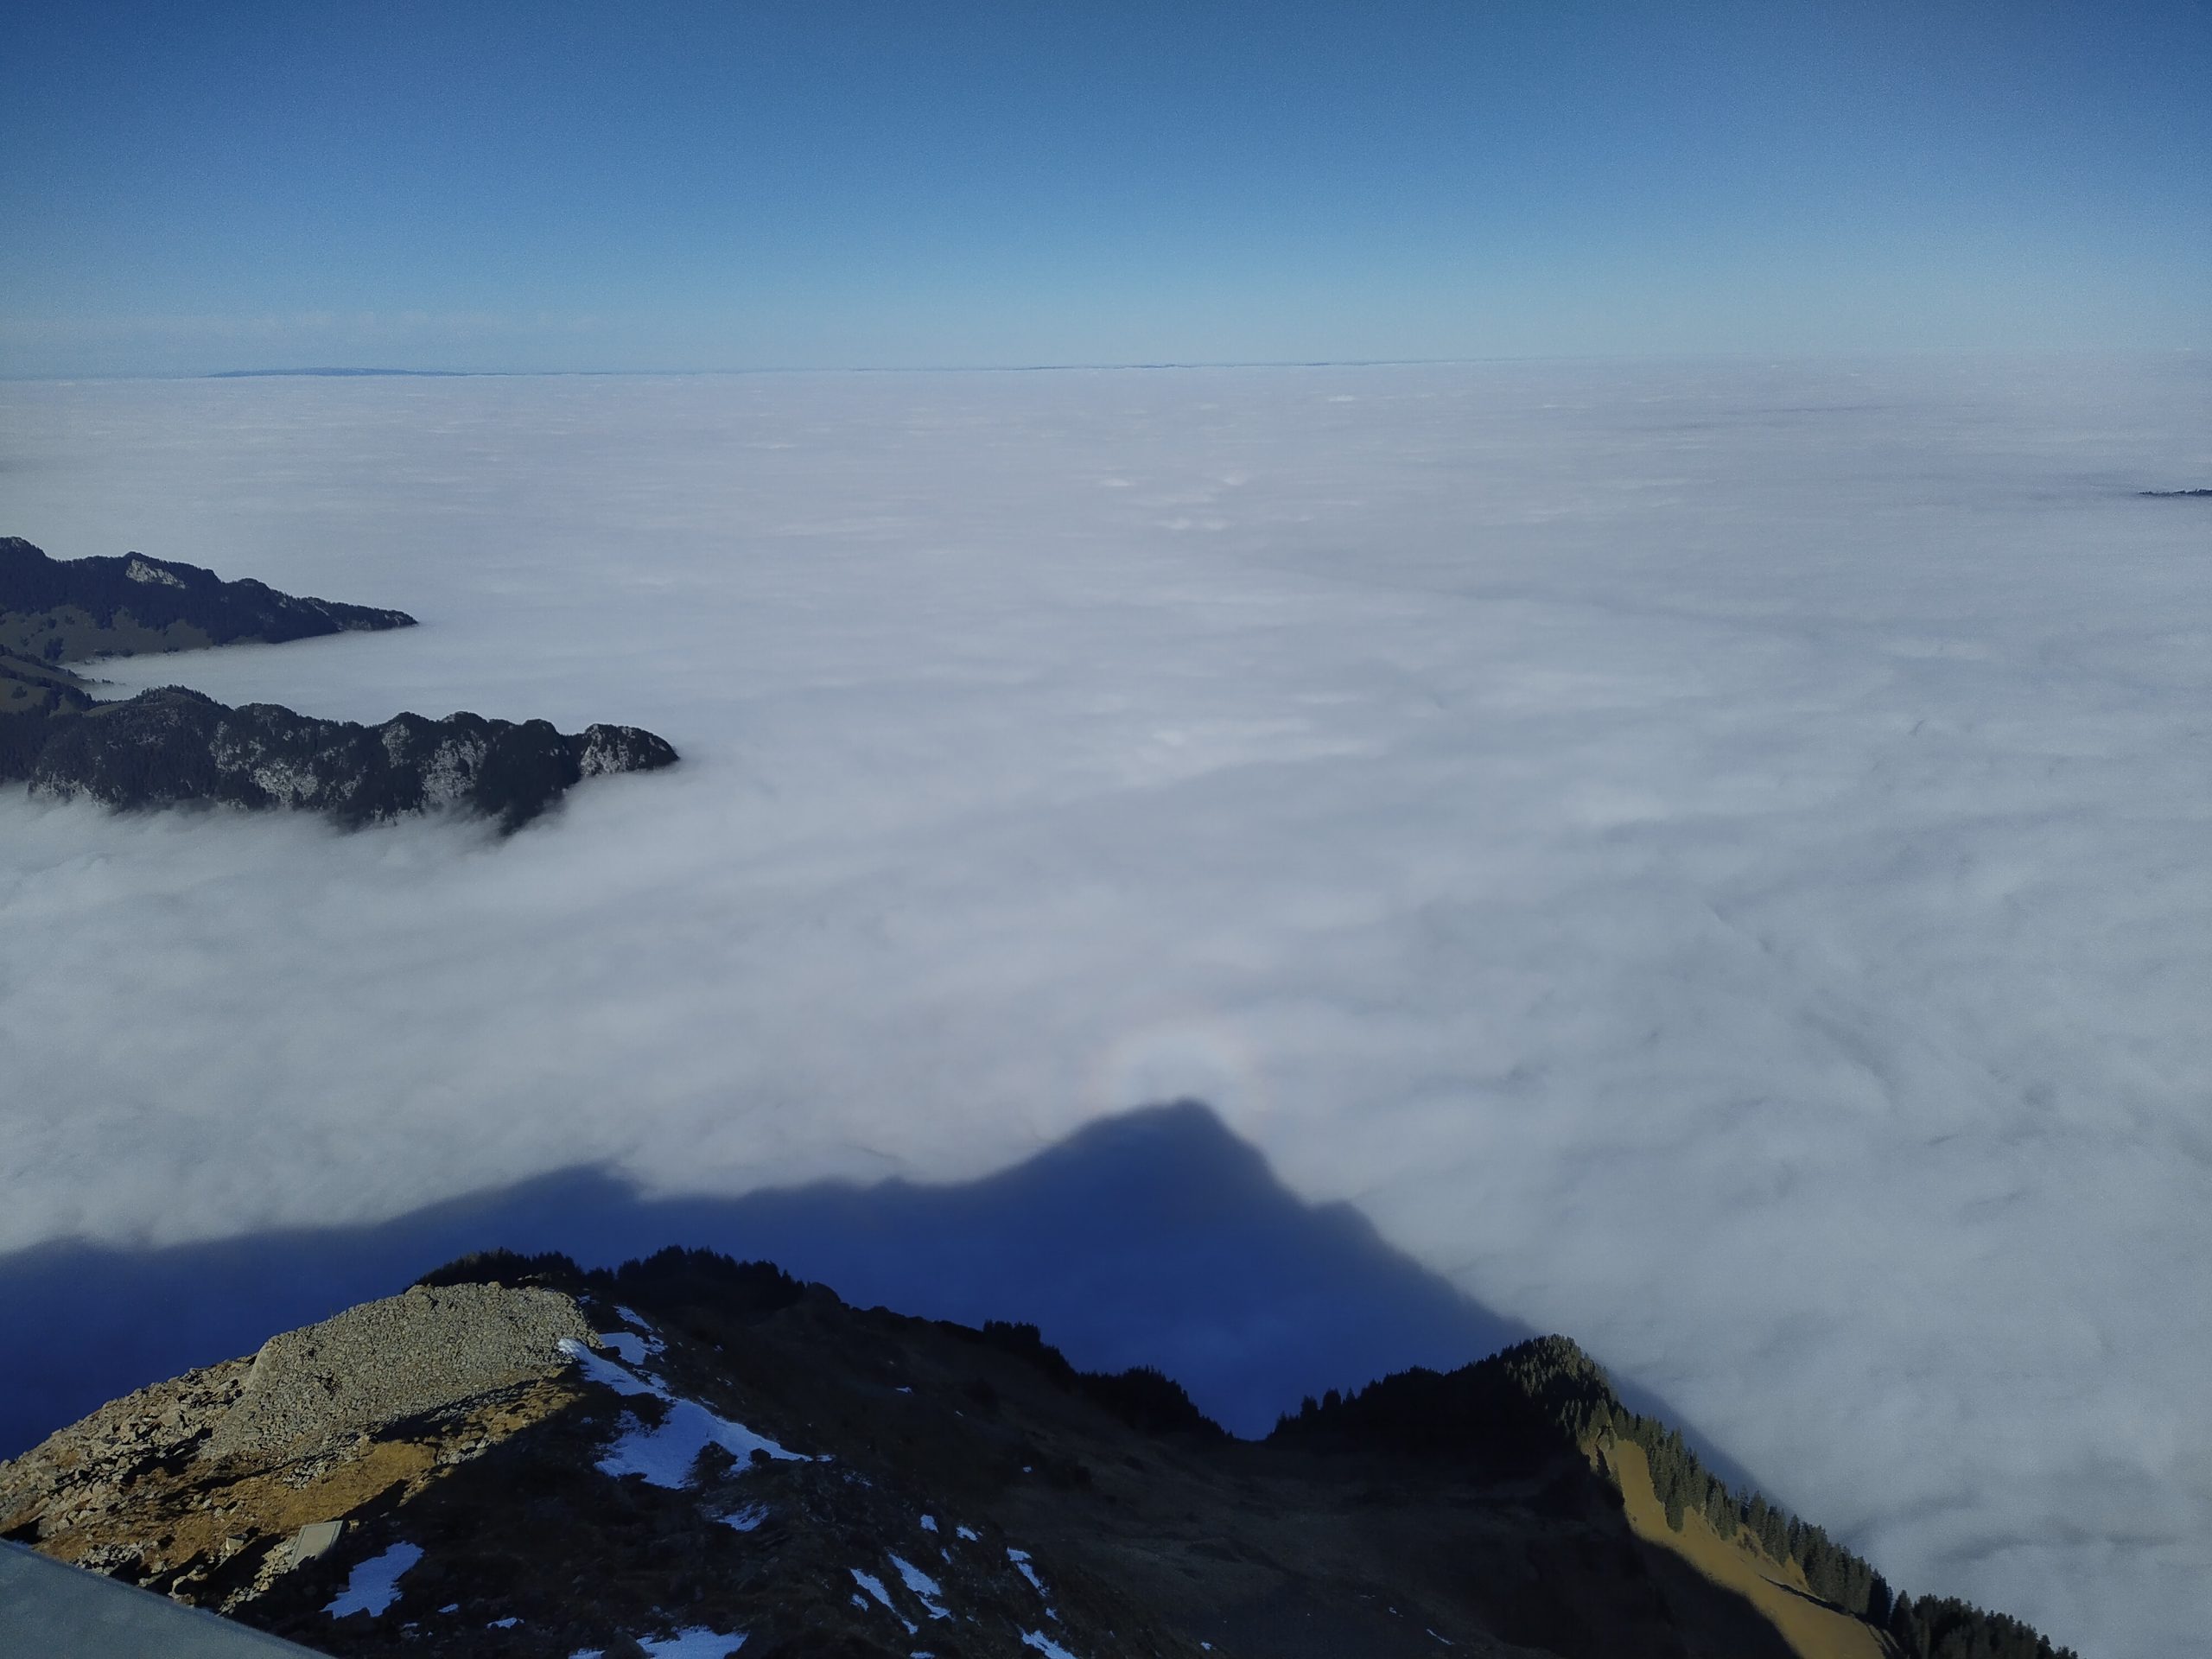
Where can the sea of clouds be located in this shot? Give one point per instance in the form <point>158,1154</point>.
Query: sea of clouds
<point>1713,857</point>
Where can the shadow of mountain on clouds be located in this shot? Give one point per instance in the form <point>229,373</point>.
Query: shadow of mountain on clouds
<point>1156,1237</point>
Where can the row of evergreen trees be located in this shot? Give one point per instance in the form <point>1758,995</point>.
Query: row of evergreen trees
<point>1685,1486</point>
<point>1927,1628</point>
<point>1946,1628</point>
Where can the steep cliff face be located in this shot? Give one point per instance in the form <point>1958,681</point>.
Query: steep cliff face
<point>691,1454</point>
<point>172,747</point>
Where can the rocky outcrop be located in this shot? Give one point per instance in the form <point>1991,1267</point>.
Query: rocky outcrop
<point>406,1356</point>
<point>172,747</point>
<point>77,1481</point>
<point>197,1486</point>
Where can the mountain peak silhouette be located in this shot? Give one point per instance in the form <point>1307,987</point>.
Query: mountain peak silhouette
<point>1154,1237</point>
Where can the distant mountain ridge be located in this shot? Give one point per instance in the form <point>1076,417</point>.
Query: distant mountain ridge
<point>173,746</point>
<point>345,374</point>
<point>69,609</point>
<point>692,1454</point>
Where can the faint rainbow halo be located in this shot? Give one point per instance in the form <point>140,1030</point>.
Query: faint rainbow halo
<point>1197,1055</point>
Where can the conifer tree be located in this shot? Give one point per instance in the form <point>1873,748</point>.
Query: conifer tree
<point>1878,1601</point>
<point>1904,1628</point>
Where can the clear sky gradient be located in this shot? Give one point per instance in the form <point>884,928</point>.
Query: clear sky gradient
<point>571,185</point>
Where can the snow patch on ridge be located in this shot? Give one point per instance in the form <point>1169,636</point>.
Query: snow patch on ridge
<point>693,1642</point>
<point>373,1585</point>
<point>926,1589</point>
<point>873,1585</point>
<point>663,1453</point>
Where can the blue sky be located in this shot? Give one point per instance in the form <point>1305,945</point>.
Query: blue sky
<point>561,185</point>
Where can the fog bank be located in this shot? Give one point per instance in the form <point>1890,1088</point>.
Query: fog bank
<point>1710,857</point>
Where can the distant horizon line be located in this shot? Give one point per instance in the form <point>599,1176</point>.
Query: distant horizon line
<point>348,373</point>
<point>365,371</point>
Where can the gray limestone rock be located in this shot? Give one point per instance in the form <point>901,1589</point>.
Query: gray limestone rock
<point>401,1357</point>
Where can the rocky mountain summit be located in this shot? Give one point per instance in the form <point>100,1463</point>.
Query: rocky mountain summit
<point>171,747</point>
<point>689,1455</point>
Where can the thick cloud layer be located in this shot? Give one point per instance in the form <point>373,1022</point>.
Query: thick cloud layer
<point>1713,858</point>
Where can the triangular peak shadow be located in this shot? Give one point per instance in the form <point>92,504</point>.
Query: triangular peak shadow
<point>1156,1237</point>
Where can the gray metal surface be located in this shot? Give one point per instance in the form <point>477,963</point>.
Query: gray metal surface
<point>52,1610</point>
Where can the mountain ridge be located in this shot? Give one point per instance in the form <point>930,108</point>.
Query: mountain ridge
<point>539,1458</point>
<point>172,747</point>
